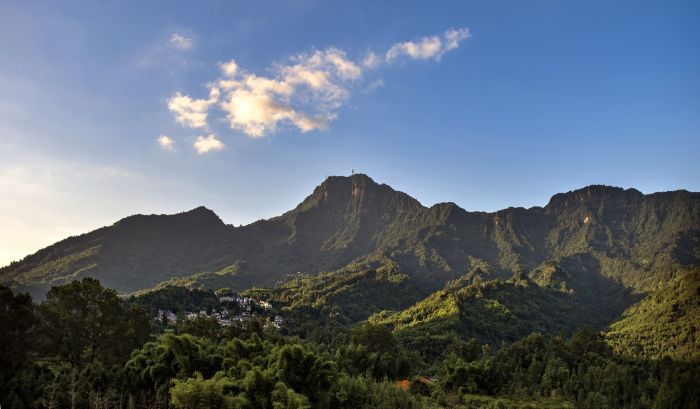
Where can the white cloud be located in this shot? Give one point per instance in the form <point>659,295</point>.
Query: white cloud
<point>454,37</point>
<point>166,142</point>
<point>192,112</point>
<point>306,124</point>
<point>207,144</point>
<point>373,86</point>
<point>229,68</point>
<point>305,93</point>
<point>428,47</point>
<point>180,41</point>
<point>371,60</point>
<point>255,113</point>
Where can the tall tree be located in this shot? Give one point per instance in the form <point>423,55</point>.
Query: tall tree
<point>16,323</point>
<point>84,320</point>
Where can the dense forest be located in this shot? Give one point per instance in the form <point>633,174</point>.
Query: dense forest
<point>85,347</point>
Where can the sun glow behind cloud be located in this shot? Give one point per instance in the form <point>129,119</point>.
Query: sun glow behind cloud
<point>305,93</point>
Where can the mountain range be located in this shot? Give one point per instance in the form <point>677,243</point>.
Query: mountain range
<point>355,250</point>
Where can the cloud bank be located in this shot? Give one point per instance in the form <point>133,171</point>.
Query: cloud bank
<point>305,93</point>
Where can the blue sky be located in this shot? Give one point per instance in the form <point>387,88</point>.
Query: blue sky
<point>488,104</point>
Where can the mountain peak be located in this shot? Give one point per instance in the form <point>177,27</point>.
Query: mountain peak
<point>200,210</point>
<point>593,193</point>
<point>197,216</point>
<point>346,213</point>
<point>355,192</point>
<point>357,178</point>
<point>200,215</point>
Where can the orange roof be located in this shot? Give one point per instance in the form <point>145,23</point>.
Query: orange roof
<point>403,384</point>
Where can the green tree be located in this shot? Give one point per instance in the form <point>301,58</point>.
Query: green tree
<point>303,370</point>
<point>285,398</point>
<point>17,322</point>
<point>205,327</point>
<point>376,338</point>
<point>83,322</point>
<point>198,393</point>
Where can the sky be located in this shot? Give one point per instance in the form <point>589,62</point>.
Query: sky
<point>113,108</point>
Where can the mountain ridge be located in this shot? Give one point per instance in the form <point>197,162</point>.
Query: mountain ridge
<point>349,218</point>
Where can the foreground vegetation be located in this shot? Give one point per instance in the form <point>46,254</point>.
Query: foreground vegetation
<point>84,347</point>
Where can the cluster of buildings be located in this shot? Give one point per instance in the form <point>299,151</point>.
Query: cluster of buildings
<point>245,302</point>
<point>224,317</point>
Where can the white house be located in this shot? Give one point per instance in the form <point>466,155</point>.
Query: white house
<point>169,316</point>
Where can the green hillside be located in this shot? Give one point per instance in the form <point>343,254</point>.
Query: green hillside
<point>349,296</point>
<point>665,323</point>
<point>494,311</point>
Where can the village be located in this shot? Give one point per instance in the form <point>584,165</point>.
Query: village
<point>232,308</point>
